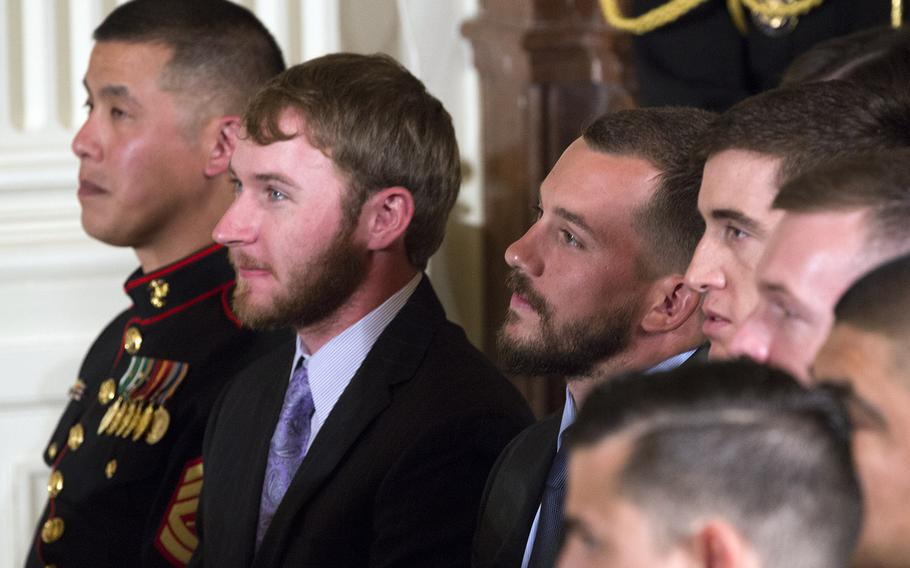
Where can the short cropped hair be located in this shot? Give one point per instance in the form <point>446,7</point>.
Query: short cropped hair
<point>669,222</point>
<point>878,182</point>
<point>808,124</point>
<point>222,54</point>
<point>875,56</point>
<point>739,441</point>
<point>380,127</point>
<point>879,302</point>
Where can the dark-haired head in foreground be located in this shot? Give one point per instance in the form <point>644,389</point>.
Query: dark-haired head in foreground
<point>869,347</point>
<point>749,152</point>
<point>727,464</point>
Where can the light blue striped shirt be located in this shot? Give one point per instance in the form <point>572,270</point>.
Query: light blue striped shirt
<point>332,367</point>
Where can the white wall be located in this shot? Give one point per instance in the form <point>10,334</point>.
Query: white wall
<point>58,287</point>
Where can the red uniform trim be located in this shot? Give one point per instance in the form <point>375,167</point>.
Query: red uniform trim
<point>228,309</point>
<point>176,309</point>
<point>168,269</point>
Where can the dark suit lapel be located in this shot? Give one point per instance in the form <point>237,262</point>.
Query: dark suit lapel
<point>530,465</point>
<point>273,373</point>
<point>263,387</point>
<point>394,358</point>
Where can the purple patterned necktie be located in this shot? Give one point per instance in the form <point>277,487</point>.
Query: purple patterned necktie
<point>287,448</point>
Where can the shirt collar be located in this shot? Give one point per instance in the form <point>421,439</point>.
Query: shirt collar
<point>570,411</point>
<point>332,367</point>
<point>672,362</point>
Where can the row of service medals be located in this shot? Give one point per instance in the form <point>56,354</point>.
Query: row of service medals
<point>140,396</point>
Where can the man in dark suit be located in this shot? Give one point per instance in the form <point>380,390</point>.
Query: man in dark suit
<point>367,442</point>
<point>598,289</point>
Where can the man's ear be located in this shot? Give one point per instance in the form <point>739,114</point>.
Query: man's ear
<point>717,544</point>
<point>223,142</point>
<point>388,215</point>
<point>670,304</point>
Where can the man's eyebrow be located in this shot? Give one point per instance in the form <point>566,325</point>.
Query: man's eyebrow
<point>270,176</point>
<point>777,289</point>
<point>573,218</point>
<point>748,223</point>
<point>114,91</point>
<point>265,177</point>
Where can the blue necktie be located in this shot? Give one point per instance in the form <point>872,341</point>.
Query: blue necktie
<point>287,448</point>
<point>550,526</point>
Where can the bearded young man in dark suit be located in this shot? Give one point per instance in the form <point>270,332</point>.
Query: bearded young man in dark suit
<point>598,290</point>
<point>368,442</point>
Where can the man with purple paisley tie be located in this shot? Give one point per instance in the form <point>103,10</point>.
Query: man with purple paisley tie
<point>368,440</point>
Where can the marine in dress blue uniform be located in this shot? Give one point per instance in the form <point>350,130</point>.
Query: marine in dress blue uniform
<point>125,458</point>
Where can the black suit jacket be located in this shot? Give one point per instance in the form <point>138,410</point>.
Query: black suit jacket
<point>512,495</point>
<point>394,476</point>
<point>514,489</point>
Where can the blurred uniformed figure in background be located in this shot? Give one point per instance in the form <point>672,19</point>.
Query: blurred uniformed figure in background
<point>165,84</point>
<point>877,57</point>
<point>713,53</point>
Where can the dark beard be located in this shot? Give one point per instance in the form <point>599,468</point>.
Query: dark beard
<point>571,350</point>
<point>316,291</point>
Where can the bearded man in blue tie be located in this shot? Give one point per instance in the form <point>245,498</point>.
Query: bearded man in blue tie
<point>598,289</point>
<point>367,441</point>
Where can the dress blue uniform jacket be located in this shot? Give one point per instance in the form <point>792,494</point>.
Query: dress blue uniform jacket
<point>131,503</point>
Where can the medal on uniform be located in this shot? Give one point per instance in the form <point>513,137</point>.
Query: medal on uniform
<point>127,430</point>
<point>144,421</point>
<point>118,417</point>
<point>109,416</point>
<point>120,414</point>
<point>161,420</point>
<point>141,392</point>
<point>127,419</point>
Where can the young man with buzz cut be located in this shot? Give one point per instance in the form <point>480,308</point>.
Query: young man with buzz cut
<point>166,83</point>
<point>868,347</point>
<point>718,465</point>
<point>367,441</point>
